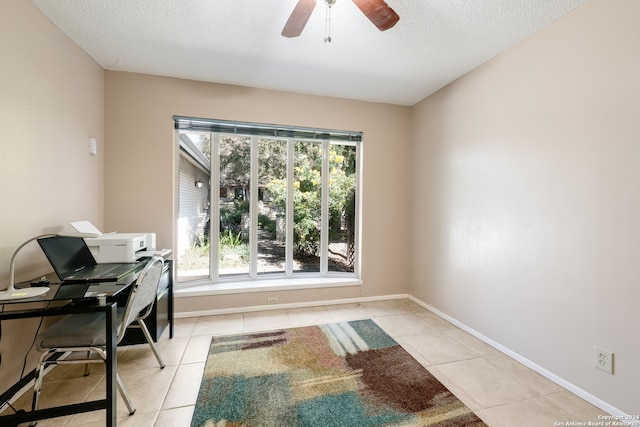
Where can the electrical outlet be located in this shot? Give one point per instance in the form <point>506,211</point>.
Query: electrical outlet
<point>272,300</point>
<point>603,360</point>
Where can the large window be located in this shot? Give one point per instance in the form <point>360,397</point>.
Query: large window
<point>260,201</point>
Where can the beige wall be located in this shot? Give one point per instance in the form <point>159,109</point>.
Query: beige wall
<point>140,169</point>
<point>520,220</point>
<point>51,102</point>
<point>526,213</point>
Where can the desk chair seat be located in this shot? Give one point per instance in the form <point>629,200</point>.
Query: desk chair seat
<point>85,332</point>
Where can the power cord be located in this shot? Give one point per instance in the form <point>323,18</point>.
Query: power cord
<point>1,311</point>
<point>15,411</point>
<point>7,402</point>
<point>35,336</point>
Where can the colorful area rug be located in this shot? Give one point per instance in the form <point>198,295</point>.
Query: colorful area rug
<point>349,374</point>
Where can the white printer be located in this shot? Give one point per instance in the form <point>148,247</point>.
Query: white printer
<point>120,247</point>
<point>113,247</point>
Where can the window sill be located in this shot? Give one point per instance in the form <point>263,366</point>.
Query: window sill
<point>265,286</point>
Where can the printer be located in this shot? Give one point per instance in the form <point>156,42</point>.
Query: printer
<point>113,247</point>
<point>120,247</point>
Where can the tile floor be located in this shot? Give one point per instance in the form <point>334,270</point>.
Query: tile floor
<point>501,391</point>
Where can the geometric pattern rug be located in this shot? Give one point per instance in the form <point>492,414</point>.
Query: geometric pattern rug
<point>349,374</point>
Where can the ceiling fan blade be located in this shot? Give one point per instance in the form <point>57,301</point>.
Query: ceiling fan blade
<point>298,19</point>
<point>378,12</point>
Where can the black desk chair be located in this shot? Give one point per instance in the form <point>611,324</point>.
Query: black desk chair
<point>85,332</point>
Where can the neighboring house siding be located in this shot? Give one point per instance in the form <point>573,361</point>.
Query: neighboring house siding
<point>194,204</point>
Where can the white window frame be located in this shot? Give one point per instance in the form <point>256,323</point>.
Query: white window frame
<point>254,281</point>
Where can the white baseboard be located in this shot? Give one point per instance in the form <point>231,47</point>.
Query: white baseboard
<point>595,401</point>
<point>236,310</point>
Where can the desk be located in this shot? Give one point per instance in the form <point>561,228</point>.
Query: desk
<point>78,304</point>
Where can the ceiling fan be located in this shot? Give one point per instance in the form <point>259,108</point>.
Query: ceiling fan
<point>378,12</point>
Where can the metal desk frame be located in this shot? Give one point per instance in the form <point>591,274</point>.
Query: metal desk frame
<point>111,363</point>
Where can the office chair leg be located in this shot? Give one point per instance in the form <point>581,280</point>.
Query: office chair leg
<point>147,335</point>
<point>37,386</point>
<point>87,367</point>
<point>125,395</point>
<point>121,389</point>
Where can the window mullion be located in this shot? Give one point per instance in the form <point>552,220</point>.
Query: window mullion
<point>289,210</point>
<point>253,209</point>
<point>324,211</point>
<point>357,234</point>
<point>214,214</point>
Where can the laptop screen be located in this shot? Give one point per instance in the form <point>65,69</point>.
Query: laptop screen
<point>67,254</point>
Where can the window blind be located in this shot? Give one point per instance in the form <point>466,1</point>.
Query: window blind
<point>261,129</point>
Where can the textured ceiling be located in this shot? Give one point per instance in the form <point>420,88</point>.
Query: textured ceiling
<point>239,42</point>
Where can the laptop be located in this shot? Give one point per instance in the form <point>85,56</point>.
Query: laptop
<point>73,261</point>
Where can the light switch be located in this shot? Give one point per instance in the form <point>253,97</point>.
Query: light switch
<point>93,146</point>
